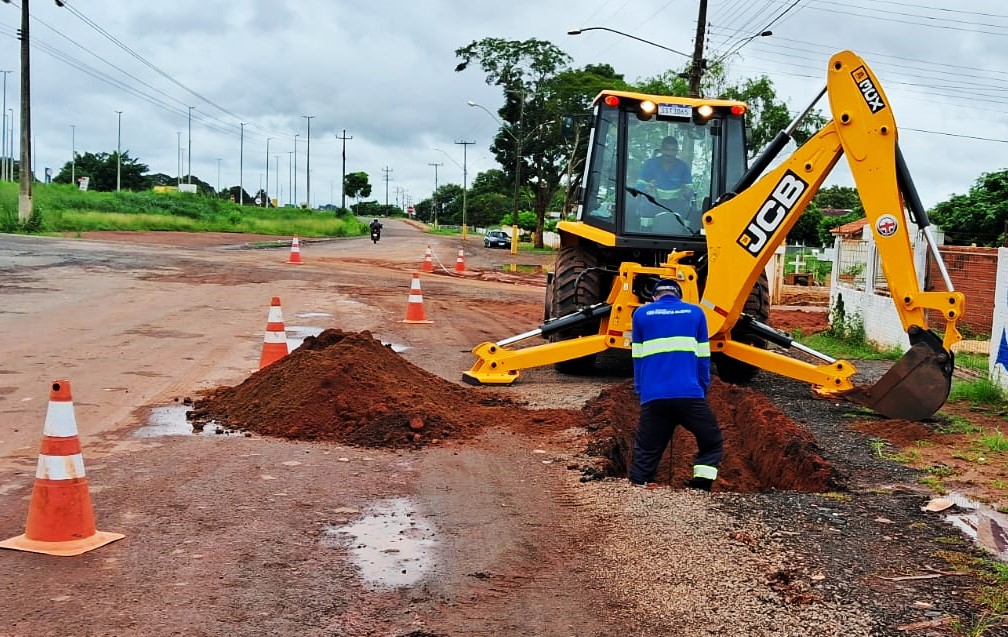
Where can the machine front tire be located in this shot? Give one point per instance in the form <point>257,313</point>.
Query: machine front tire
<point>757,306</point>
<point>569,294</point>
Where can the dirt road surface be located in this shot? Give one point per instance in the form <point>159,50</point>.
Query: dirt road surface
<point>507,530</point>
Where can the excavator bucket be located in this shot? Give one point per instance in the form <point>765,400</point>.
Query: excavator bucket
<point>917,385</point>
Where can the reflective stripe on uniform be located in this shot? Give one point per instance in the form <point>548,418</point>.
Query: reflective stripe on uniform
<point>704,471</point>
<point>670,344</point>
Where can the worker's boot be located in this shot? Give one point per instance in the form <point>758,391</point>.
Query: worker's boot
<point>700,484</point>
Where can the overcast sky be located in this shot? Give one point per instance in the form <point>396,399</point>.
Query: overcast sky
<point>383,71</point>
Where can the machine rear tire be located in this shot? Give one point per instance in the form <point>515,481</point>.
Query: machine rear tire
<point>757,306</point>
<point>569,294</point>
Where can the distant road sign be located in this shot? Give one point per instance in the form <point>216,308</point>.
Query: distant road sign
<point>258,201</point>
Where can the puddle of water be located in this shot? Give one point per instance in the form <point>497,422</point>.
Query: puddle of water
<point>985,525</point>
<point>398,349</point>
<point>170,420</point>
<point>392,545</point>
<point>314,315</point>
<point>519,267</point>
<point>296,334</point>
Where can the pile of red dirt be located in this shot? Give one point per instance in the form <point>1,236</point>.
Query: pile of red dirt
<point>351,389</point>
<point>764,449</point>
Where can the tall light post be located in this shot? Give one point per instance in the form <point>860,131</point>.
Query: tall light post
<point>267,171</point>
<point>434,201</point>
<point>465,182</point>
<point>218,176</point>
<point>3,144</point>
<point>189,151</point>
<point>518,157</point>
<point>241,166</point>
<point>343,180</point>
<point>178,157</point>
<point>276,180</point>
<point>290,177</point>
<point>296,135</point>
<point>119,151</point>
<point>73,154</point>
<point>308,118</point>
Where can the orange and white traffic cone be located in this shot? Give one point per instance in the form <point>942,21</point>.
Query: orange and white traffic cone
<point>414,307</point>
<point>460,262</point>
<point>60,517</point>
<point>295,253</point>
<point>428,261</point>
<point>275,341</point>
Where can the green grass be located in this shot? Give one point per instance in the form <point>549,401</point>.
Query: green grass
<point>981,391</point>
<point>977,362</point>
<point>63,208</point>
<point>958,425</point>
<point>994,441</point>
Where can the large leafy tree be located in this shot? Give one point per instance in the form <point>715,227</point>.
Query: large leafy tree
<point>100,168</point>
<point>977,217</point>
<point>767,115</point>
<point>540,92</point>
<point>356,185</point>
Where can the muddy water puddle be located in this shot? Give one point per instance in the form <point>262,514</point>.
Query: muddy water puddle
<point>521,267</point>
<point>983,524</point>
<point>170,420</point>
<point>391,544</point>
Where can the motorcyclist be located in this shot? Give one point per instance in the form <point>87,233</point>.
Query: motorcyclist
<point>376,227</point>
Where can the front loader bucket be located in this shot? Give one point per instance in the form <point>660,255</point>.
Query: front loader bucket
<point>917,385</point>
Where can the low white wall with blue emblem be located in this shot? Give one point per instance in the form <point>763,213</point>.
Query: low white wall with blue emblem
<point>999,333</point>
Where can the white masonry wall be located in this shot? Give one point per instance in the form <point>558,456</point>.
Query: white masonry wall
<point>999,338</point>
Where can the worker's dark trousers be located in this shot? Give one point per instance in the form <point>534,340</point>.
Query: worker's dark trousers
<point>658,419</point>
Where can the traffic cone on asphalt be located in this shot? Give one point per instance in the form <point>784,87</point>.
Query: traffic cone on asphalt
<point>275,341</point>
<point>414,307</point>
<point>295,253</point>
<point>60,516</point>
<point>460,262</point>
<point>428,261</point>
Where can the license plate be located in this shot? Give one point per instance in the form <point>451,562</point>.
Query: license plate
<point>675,110</point>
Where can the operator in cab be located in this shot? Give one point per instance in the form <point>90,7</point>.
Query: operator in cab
<point>667,178</point>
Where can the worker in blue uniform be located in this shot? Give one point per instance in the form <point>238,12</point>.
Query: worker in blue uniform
<point>671,357</point>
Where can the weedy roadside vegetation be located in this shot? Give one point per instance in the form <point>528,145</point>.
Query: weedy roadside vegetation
<point>60,208</point>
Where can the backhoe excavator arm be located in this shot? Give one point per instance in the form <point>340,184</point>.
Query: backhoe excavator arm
<point>744,231</point>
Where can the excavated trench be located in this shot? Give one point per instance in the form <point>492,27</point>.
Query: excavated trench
<point>348,388</point>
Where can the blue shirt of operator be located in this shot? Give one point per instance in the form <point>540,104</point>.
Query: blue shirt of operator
<point>671,350</point>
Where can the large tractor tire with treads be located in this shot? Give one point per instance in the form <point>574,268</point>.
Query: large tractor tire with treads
<point>757,306</point>
<point>572,291</point>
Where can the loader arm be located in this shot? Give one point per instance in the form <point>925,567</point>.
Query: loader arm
<point>744,231</point>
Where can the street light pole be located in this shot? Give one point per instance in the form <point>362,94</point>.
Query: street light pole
<point>434,201</point>
<point>518,157</point>
<point>119,152</point>
<point>343,182</point>
<point>308,118</point>
<point>25,181</point>
<point>632,37</point>
<point>3,144</point>
<point>276,180</point>
<point>189,169</point>
<point>218,177</point>
<point>178,156</point>
<point>73,154</point>
<point>295,167</point>
<point>290,176</point>
<point>465,182</point>
<point>241,166</point>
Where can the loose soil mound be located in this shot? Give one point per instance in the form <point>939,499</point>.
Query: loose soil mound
<point>764,449</point>
<point>350,389</point>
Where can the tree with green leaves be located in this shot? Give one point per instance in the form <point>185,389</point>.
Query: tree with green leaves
<point>356,185</point>
<point>542,97</point>
<point>767,115</point>
<point>977,217</point>
<point>101,169</point>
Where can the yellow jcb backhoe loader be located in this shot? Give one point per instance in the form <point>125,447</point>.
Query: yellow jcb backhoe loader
<point>717,235</point>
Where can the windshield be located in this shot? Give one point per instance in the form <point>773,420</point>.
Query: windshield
<point>670,174</point>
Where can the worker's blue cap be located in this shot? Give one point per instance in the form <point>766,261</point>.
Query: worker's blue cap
<point>666,286</point>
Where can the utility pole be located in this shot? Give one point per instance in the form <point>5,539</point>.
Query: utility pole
<point>73,154</point>
<point>119,152</point>
<point>276,180</point>
<point>434,201</point>
<point>25,181</point>
<point>343,181</point>
<point>697,66</point>
<point>178,155</point>
<point>387,172</point>
<point>267,172</point>
<point>295,168</point>
<point>241,166</point>
<point>308,162</point>
<point>218,177</point>
<point>465,182</point>
<point>189,170</point>
<point>3,157</point>
<point>290,175</point>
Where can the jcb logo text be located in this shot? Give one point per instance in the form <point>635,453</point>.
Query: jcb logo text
<point>772,213</point>
<point>868,90</point>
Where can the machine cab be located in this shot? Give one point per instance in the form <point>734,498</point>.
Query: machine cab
<point>657,163</point>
